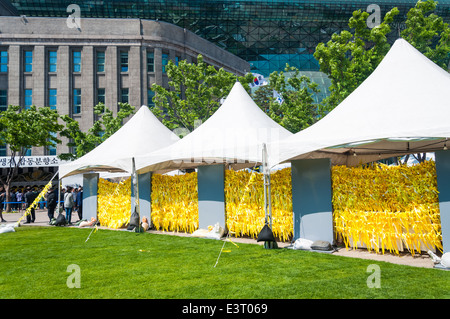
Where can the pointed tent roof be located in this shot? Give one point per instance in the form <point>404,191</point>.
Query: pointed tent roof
<point>402,107</point>
<point>234,134</point>
<point>142,134</point>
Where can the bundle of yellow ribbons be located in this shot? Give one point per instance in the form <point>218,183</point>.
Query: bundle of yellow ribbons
<point>390,208</point>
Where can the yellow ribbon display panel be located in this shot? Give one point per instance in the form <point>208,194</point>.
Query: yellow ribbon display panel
<point>244,200</point>
<point>384,207</point>
<point>114,203</point>
<point>175,202</point>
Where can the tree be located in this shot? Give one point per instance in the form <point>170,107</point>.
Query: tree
<point>349,58</point>
<point>428,33</point>
<point>194,93</point>
<point>107,125</point>
<point>21,129</point>
<point>294,107</point>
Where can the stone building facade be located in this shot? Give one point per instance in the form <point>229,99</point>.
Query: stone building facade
<point>71,65</point>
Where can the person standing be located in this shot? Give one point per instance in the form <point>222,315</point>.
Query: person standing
<point>68,204</point>
<point>30,196</point>
<point>79,202</point>
<point>2,200</point>
<point>52,200</point>
<point>19,199</point>
<point>13,200</point>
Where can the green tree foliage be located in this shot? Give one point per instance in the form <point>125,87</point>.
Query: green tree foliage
<point>428,33</point>
<point>107,125</point>
<point>350,57</point>
<point>21,129</point>
<point>194,93</point>
<point>297,111</point>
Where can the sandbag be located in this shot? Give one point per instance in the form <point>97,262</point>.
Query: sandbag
<point>134,221</point>
<point>445,260</point>
<point>303,243</point>
<point>321,245</point>
<point>6,229</point>
<point>265,234</point>
<point>201,233</point>
<point>60,220</point>
<point>216,233</point>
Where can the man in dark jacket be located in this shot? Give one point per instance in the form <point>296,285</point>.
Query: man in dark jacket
<point>52,202</point>
<point>79,202</point>
<point>30,196</point>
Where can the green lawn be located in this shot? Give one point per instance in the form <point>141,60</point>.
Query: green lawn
<point>120,264</point>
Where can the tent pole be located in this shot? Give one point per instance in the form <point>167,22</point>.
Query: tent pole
<point>267,189</point>
<point>136,195</point>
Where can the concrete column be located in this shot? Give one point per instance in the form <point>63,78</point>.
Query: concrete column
<point>158,66</point>
<point>311,199</point>
<point>90,190</point>
<point>63,90</point>
<point>135,76</point>
<point>112,78</point>
<point>443,183</point>
<point>211,195</point>
<point>87,88</point>
<point>39,87</point>
<point>15,88</point>
<point>144,74</point>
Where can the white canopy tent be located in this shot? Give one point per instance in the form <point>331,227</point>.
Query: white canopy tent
<point>233,135</point>
<point>142,134</point>
<point>403,107</point>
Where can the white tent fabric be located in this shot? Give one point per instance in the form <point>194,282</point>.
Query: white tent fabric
<point>142,134</point>
<point>403,107</point>
<point>234,134</point>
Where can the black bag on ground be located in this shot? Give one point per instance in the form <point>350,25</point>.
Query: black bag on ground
<point>60,220</point>
<point>265,234</point>
<point>321,245</point>
<point>134,221</point>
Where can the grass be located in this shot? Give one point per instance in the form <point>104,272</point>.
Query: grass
<point>120,264</point>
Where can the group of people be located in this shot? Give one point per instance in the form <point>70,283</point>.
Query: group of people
<point>18,200</point>
<point>71,199</point>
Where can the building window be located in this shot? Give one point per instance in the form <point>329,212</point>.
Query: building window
<point>28,98</point>
<point>123,61</point>
<point>177,60</point>
<point>28,152</point>
<point>3,100</point>
<point>52,100</point>
<point>52,148</point>
<point>100,61</point>
<point>150,102</point>
<point>76,59</point>
<point>124,96</point>
<point>52,58</point>
<point>28,61</point>
<point>2,150</point>
<point>3,61</point>
<point>76,101</point>
<point>150,62</point>
<point>165,60</point>
<point>100,96</point>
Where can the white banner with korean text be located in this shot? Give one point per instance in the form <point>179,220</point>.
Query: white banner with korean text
<point>31,161</point>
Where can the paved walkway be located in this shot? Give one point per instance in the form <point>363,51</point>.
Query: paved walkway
<point>422,260</point>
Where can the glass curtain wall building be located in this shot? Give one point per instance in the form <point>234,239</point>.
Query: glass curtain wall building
<point>266,33</point>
